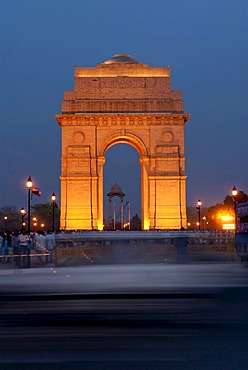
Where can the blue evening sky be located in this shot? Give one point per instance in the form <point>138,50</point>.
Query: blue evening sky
<point>204,42</point>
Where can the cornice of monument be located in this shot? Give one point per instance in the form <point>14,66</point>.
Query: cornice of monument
<point>122,119</point>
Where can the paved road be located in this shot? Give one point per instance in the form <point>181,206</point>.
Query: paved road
<point>125,317</point>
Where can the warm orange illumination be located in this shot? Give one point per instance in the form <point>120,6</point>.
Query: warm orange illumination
<point>228,226</point>
<point>151,111</point>
<point>234,192</point>
<point>224,216</point>
<point>29,182</point>
<point>146,224</point>
<point>227,218</point>
<point>100,225</point>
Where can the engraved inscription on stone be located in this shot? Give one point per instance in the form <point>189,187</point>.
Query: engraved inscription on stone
<point>124,81</point>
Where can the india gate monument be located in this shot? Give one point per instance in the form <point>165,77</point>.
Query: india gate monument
<point>123,101</point>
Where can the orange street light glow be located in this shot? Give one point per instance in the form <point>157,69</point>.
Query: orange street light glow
<point>234,192</point>
<point>228,226</point>
<point>227,218</point>
<point>29,182</point>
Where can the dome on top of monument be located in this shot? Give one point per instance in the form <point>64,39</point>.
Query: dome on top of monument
<point>115,189</point>
<point>121,58</point>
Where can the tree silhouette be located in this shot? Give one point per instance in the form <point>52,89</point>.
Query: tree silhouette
<point>240,198</point>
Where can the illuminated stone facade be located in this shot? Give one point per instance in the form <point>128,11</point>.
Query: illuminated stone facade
<point>123,101</point>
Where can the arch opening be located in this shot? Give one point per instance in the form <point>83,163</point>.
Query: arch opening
<point>121,167</point>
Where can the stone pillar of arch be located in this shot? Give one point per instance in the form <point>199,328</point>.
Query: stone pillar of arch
<point>123,101</point>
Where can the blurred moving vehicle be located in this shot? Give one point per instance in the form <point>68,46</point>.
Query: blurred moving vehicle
<point>131,316</point>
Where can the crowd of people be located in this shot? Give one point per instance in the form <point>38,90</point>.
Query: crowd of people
<point>19,247</point>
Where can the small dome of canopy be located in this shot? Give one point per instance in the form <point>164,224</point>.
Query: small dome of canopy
<point>116,190</point>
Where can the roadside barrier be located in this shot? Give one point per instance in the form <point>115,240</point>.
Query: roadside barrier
<point>24,260</point>
<point>87,248</point>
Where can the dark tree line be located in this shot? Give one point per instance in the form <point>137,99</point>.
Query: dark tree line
<point>213,214</point>
<point>42,212</point>
<point>44,215</point>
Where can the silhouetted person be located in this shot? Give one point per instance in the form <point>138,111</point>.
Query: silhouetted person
<point>6,244</point>
<point>50,245</point>
<point>40,247</point>
<point>16,247</point>
<point>25,243</point>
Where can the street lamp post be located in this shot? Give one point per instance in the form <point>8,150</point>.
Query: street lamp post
<point>35,223</point>
<point>53,200</point>
<point>5,223</point>
<point>204,218</point>
<point>29,186</point>
<point>198,207</point>
<point>234,198</point>
<point>23,212</point>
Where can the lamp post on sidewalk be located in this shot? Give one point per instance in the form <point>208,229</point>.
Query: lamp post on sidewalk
<point>53,200</point>
<point>198,207</point>
<point>29,186</point>
<point>5,223</point>
<point>23,212</point>
<point>34,223</point>
<point>234,198</point>
<point>204,219</point>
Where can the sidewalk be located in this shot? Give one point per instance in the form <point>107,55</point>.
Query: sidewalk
<point>11,268</point>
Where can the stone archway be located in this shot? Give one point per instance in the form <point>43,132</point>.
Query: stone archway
<point>133,140</point>
<point>123,101</point>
